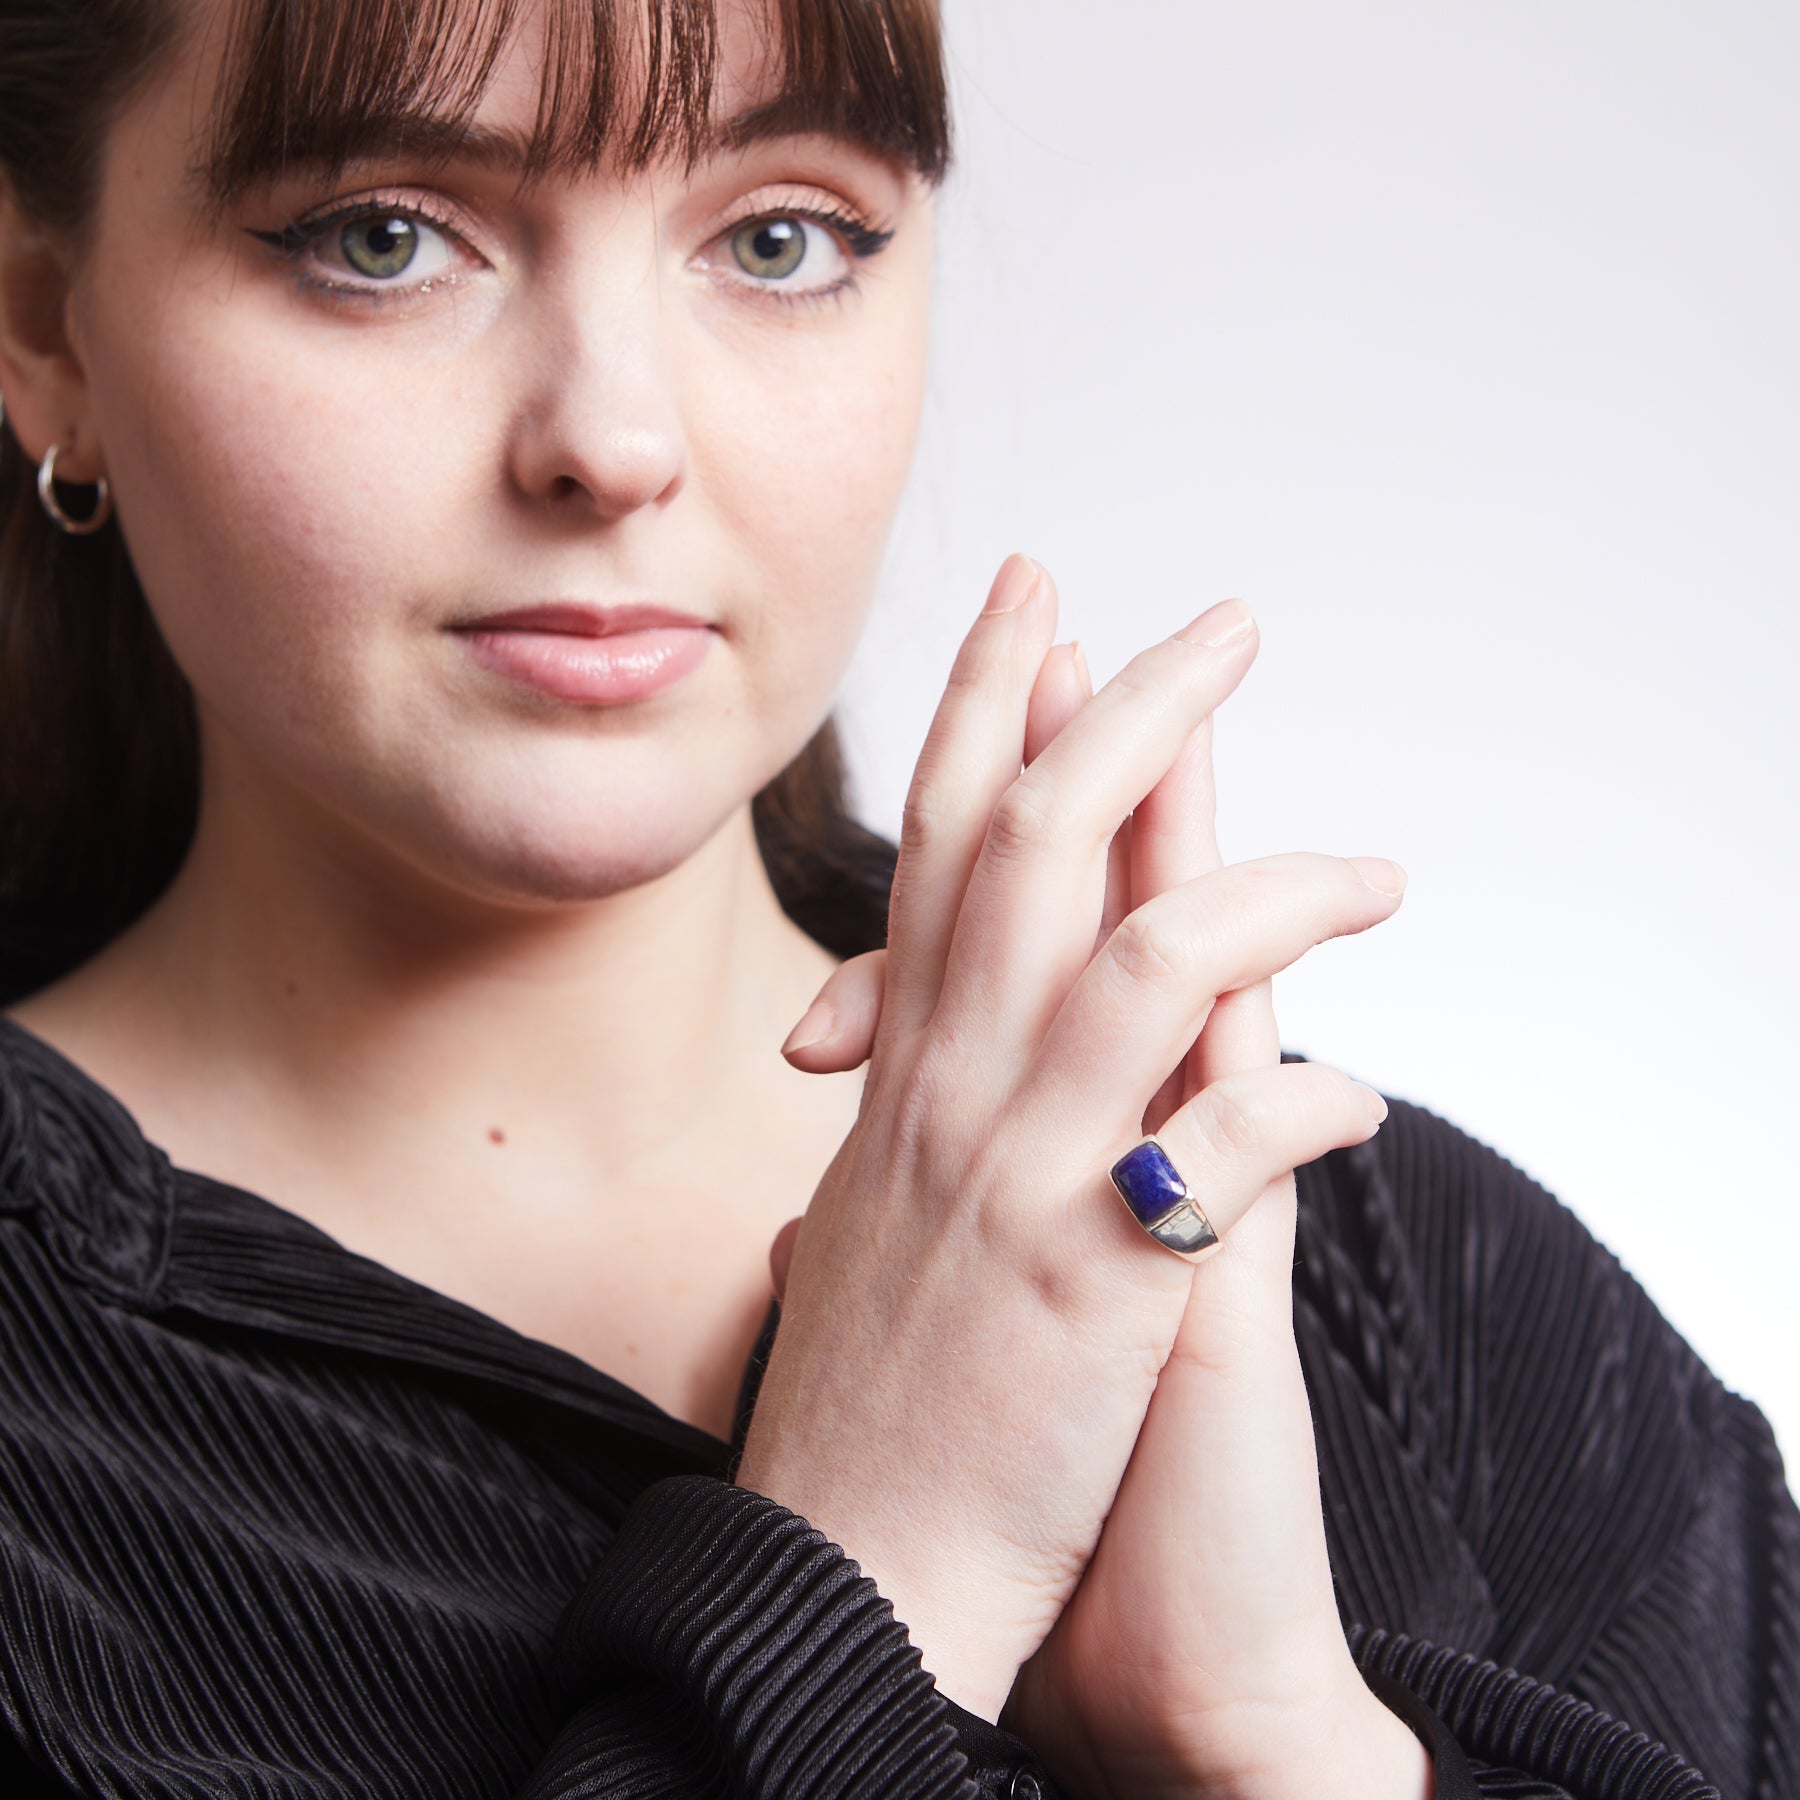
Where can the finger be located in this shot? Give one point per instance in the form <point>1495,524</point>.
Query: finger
<point>1117,878</point>
<point>781,1256</point>
<point>1174,836</point>
<point>1174,840</point>
<point>1144,998</point>
<point>1179,1087</point>
<point>1236,1137</point>
<point>837,1031</point>
<point>1073,687</point>
<point>1179,827</point>
<point>1240,1034</point>
<point>971,755</point>
<point>1061,690</point>
<point>1032,908</point>
<point>1076,684</point>
<point>1118,883</point>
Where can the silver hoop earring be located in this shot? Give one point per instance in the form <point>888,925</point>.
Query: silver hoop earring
<point>47,493</point>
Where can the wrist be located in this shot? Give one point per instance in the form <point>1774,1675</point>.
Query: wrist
<point>1361,1750</point>
<point>1387,1760</point>
<point>971,1633</point>
<point>1353,1749</point>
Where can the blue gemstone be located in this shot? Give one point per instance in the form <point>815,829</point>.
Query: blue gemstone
<point>1147,1179</point>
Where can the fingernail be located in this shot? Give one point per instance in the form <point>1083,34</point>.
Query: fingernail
<point>816,1024</point>
<point>1219,625</point>
<point>1380,874</point>
<point>1012,587</point>
<point>1079,656</point>
<point>1378,1107</point>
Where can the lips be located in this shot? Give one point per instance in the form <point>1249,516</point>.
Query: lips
<point>577,619</point>
<point>589,655</point>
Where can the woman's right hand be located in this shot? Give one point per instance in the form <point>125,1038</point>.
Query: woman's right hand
<point>973,1325</point>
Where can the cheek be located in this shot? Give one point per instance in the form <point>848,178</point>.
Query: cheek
<point>804,466</point>
<point>277,511</point>
<point>305,504</point>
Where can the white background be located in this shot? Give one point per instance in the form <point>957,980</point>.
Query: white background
<point>1464,342</point>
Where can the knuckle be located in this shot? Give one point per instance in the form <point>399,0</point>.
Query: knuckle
<point>1166,669</point>
<point>968,674</point>
<point>1147,952</point>
<point>1147,676</point>
<point>916,1099</point>
<point>1013,1230</point>
<point>922,817</point>
<point>1061,1289</point>
<point>1023,823</point>
<point>984,661</point>
<point>932,1128</point>
<point>1231,1127</point>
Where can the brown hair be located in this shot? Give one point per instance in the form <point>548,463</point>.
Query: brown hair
<point>99,750</point>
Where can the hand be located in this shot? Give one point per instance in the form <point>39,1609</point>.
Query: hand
<point>967,1226</point>
<point>1111,1699</point>
<point>1202,1651</point>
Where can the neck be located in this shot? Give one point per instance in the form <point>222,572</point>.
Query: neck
<point>572,1116</point>
<point>297,969</point>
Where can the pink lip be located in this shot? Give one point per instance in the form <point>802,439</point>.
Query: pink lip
<point>578,619</point>
<point>591,655</point>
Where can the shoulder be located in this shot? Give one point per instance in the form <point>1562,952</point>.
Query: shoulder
<point>1510,1290</point>
<point>77,1174</point>
<point>1564,1431</point>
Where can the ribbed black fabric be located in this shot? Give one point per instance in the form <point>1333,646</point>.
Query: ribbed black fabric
<point>1455,1780</point>
<point>275,1521</point>
<point>708,1588</point>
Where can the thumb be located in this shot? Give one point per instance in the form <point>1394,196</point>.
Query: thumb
<point>837,1031</point>
<point>781,1257</point>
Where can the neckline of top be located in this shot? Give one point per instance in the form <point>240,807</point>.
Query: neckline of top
<point>127,1247</point>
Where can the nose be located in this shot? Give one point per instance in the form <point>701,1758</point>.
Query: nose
<point>599,427</point>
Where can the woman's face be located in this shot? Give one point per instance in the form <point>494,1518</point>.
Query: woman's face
<point>333,450</point>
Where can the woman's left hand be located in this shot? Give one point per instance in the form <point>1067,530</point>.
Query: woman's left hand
<point>1202,1654</point>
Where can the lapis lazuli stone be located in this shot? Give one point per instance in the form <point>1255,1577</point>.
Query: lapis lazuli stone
<point>1147,1179</point>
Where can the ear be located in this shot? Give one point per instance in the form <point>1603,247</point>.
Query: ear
<point>42,381</point>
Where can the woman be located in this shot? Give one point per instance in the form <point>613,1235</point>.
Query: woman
<point>423,825</point>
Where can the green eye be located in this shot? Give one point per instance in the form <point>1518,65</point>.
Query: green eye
<point>769,249</point>
<point>380,245</point>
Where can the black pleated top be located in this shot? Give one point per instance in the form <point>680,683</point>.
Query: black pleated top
<point>275,1521</point>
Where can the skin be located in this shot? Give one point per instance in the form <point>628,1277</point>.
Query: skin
<point>1173,1633</point>
<point>491,989</point>
<point>421,909</point>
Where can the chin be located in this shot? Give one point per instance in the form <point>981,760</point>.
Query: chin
<point>575,842</point>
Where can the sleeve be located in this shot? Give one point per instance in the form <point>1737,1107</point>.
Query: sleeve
<point>731,1649</point>
<point>1626,1518</point>
<point>723,1650</point>
<point>767,1664</point>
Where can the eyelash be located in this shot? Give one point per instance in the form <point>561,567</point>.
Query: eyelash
<point>292,242</point>
<point>861,242</point>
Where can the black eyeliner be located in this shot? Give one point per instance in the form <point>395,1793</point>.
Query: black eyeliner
<point>290,240</point>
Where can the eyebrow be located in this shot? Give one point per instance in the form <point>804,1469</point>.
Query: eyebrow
<point>806,115</point>
<point>436,139</point>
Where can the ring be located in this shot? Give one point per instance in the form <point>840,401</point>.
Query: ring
<point>1161,1201</point>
